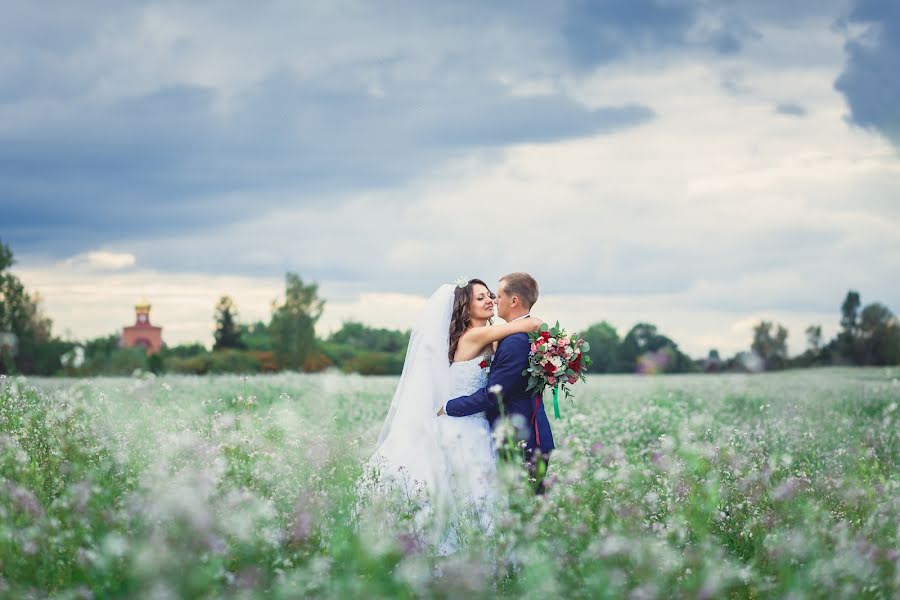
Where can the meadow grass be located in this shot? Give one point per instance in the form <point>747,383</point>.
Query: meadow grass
<point>732,486</point>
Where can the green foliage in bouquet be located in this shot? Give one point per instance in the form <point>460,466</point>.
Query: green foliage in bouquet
<point>557,360</point>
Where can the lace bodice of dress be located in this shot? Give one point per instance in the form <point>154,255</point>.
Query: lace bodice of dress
<point>467,376</point>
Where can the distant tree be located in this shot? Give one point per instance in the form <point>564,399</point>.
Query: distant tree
<point>847,346</point>
<point>360,336</point>
<point>256,336</point>
<point>293,322</point>
<point>850,311</point>
<point>879,336</point>
<point>6,257</point>
<point>604,341</point>
<point>745,362</point>
<point>636,342</point>
<point>645,342</point>
<point>184,350</point>
<point>368,350</point>
<point>374,363</point>
<point>13,297</point>
<point>98,354</point>
<point>124,361</point>
<point>191,358</point>
<point>21,315</point>
<point>867,337</point>
<point>104,356</point>
<point>713,362</point>
<point>816,352</point>
<point>814,338</point>
<point>233,361</point>
<point>770,346</point>
<point>155,363</point>
<point>101,346</point>
<point>228,334</point>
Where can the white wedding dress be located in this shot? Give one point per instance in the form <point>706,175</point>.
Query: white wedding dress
<point>446,466</point>
<point>471,455</point>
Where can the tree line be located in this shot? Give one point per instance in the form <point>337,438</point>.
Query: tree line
<point>868,335</point>
<point>287,341</point>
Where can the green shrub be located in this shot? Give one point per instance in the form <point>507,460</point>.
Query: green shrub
<point>194,365</point>
<point>121,361</point>
<point>234,361</point>
<point>375,363</point>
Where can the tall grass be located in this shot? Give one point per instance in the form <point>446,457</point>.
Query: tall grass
<point>781,485</point>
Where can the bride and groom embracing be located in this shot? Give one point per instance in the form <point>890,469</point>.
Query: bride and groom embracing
<point>460,377</point>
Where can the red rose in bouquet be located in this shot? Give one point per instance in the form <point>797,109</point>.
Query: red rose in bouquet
<point>557,360</point>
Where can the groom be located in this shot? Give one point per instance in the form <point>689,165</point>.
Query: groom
<point>516,294</point>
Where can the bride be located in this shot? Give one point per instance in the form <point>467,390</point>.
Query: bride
<point>447,465</point>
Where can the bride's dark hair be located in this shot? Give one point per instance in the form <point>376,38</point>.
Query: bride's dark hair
<point>459,319</point>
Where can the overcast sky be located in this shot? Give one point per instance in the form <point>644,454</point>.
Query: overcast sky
<point>698,165</point>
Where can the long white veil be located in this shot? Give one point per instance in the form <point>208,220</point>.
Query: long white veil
<point>409,452</point>
<point>413,455</point>
<point>425,382</point>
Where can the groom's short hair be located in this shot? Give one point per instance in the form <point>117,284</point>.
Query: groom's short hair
<point>522,285</point>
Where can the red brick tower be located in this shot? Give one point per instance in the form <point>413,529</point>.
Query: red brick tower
<point>142,333</point>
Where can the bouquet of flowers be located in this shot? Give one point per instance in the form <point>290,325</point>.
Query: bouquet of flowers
<point>557,360</point>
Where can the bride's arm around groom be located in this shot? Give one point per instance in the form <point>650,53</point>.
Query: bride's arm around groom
<point>506,372</point>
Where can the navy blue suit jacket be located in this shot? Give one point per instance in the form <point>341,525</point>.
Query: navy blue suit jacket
<point>506,370</point>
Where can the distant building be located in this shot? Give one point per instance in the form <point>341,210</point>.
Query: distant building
<point>142,334</point>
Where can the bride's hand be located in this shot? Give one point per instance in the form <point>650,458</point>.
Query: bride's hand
<point>533,323</point>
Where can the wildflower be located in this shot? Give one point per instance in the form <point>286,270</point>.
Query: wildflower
<point>503,431</point>
<point>789,488</point>
<point>410,544</point>
<point>25,500</point>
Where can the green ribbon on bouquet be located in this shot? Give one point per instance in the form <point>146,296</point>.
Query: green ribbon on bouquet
<point>556,401</point>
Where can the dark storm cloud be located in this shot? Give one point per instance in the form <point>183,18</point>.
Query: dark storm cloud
<point>164,157</point>
<point>869,80</point>
<point>137,121</point>
<point>598,32</point>
<point>166,162</point>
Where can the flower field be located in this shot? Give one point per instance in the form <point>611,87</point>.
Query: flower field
<point>773,485</point>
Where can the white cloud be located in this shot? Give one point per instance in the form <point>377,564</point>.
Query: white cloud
<point>84,302</point>
<point>718,213</point>
<point>103,260</point>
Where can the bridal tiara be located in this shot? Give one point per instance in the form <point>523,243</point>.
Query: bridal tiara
<point>461,282</point>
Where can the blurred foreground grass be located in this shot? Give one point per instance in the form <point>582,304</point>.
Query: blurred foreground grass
<point>774,485</point>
